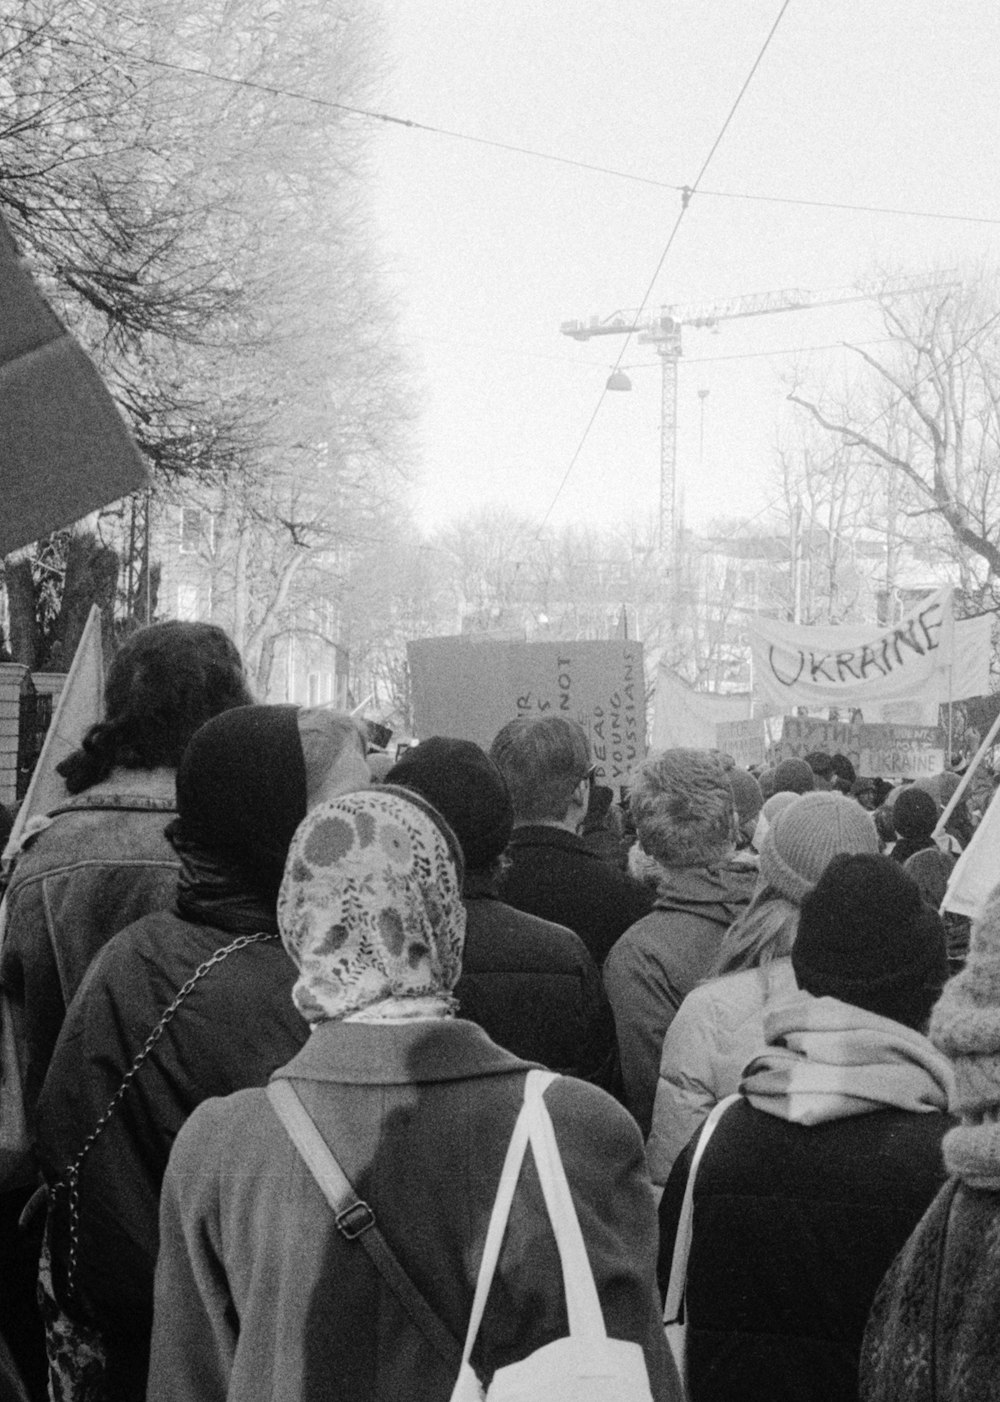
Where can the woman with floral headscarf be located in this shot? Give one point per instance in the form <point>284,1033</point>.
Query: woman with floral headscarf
<point>258,1295</point>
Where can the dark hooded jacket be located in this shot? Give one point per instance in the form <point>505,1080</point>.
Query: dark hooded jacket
<point>657,962</point>
<point>218,960</point>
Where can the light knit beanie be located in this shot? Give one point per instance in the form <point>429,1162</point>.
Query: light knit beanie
<point>965,1025</point>
<point>804,836</point>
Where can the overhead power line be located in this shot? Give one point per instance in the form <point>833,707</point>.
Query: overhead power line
<point>533,153</point>
<point>689,192</point>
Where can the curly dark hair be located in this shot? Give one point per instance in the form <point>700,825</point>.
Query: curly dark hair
<point>165,682</point>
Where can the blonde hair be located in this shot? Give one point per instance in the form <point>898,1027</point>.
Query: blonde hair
<point>765,931</point>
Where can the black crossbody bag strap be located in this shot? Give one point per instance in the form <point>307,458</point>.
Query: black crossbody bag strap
<point>355,1220</point>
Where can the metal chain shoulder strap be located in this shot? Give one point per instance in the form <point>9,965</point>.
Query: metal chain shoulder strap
<point>71,1179</point>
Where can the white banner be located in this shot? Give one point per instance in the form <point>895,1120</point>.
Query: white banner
<point>744,740</point>
<point>688,718</point>
<point>849,667</point>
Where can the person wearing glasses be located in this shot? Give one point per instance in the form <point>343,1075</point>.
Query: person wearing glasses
<point>553,873</point>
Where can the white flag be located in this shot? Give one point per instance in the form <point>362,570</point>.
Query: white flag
<point>80,705</point>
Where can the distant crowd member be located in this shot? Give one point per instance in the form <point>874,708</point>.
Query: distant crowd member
<point>553,873</point>
<point>813,1181</point>
<point>934,1330</point>
<point>749,801</point>
<point>720,1024</point>
<point>243,786</point>
<point>686,822</point>
<point>865,792</point>
<point>843,773</point>
<point>530,984</point>
<point>794,776</point>
<point>821,765</point>
<point>602,829</point>
<point>914,816</point>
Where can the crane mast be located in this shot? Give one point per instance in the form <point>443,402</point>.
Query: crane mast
<point>662,330</point>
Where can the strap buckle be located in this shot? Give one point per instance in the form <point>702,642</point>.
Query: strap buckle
<point>354,1220</point>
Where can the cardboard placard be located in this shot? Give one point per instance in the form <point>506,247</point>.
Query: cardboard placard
<point>744,740</point>
<point>890,752</point>
<point>468,688</point>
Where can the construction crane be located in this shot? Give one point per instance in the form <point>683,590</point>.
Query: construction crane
<point>663,331</point>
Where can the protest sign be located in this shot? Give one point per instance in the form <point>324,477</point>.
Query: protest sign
<point>469,688</point>
<point>804,735</point>
<point>852,666</point>
<point>901,751</point>
<point>744,740</point>
<point>891,752</point>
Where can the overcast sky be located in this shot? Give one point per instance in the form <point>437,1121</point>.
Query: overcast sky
<point>895,104</point>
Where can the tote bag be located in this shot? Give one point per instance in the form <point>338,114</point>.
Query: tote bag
<point>586,1366</point>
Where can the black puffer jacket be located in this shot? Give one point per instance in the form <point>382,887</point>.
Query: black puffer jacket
<point>795,1227</point>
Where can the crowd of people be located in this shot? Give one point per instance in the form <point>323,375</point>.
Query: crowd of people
<point>235,896</point>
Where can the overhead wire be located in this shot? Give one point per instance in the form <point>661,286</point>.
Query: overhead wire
<point>532,153</point>
<point>686,197</point>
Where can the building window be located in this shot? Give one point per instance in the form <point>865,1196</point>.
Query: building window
<point>187,603</point>
<point>197,530</point>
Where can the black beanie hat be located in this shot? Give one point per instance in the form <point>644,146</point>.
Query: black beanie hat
<point>915,813</point>
<point>866,938</point>
<point>794,776</point>
<point>241,791</point>
<point>467,788</point>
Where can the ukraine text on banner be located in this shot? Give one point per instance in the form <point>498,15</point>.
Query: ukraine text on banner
<point>849,666</point>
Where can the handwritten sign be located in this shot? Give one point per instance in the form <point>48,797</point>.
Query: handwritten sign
<point>469,688</point>
<point>852,666</point>
<point>880,751</point>
<point>901,751</point>
<point>744,740</point>
<point>802,735</point>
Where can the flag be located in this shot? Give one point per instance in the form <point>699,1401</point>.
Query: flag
<point>80,705</point>
<point>64,448</point>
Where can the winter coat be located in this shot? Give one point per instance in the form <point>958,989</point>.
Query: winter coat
<point>259,1297</point>
<point>660,959</point>
<point>932,1334</point>
<point>799,1208</point>
<point>555,875</point>
<point>534,989</point>
<point>230,1031</point>
<point>715,1032</point>
<point>100,862</point>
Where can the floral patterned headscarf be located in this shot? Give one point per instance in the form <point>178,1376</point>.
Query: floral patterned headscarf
<point>371,908</point>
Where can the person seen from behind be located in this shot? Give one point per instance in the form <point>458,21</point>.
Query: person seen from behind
<point>934,1330</point>
<point>686,823</point>
<point>258,1295</point>
<point>720,1024</point>
<point>815,1177</point>
<point>553,874</point>
<point>184,1004</point>
<point>530,984</point>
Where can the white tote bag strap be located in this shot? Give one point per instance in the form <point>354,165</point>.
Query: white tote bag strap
<point>583,1307</point>
<point>685,1224</point>
<point>535,1085</point>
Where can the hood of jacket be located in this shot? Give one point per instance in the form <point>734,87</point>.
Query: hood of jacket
<point>717,893</point>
